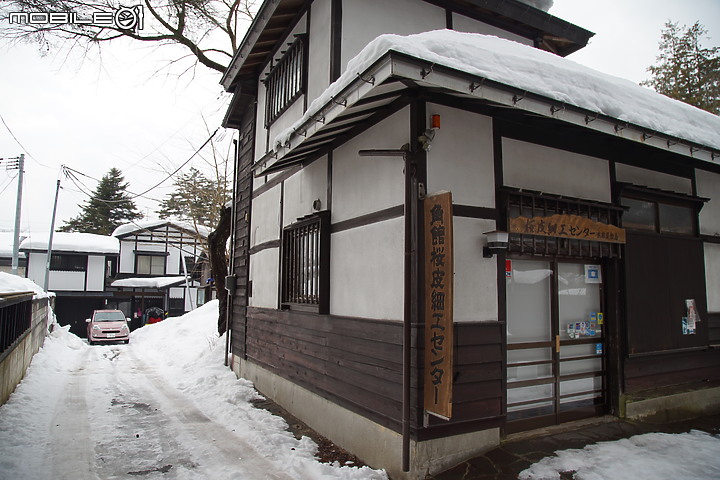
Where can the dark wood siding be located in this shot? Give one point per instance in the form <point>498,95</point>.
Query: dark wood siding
<point>241,248</point>
<point>657,371</point>
<point>357,363</point>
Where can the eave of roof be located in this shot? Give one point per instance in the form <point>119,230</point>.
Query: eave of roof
<point>275,17</point>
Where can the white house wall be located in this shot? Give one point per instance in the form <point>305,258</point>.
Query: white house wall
<point>475,286</point>
<point>461,23</point>
<point>126,263</point>
<point>264,271</point>
<point>712,273</point>
<point>652,179</point>
<point>36,267</point>
<point>302,189</point>
<point>536,167</point>
<point>319,54</point>
<point>363,185</point>
<point>366,271</point>
<point>266,217</point>
<point>172,265</point>
<point>708,186</point>
<point>96,273</point>
<point>463,167</point>
<point>361,22</point>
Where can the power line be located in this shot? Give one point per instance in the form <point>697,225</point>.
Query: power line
<point>21,145</point>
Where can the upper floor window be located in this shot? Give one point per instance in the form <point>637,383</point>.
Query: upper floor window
<point>659,216</point>
<point>68,263</point>
<point>286,80</point>
<point>305,263</point>
<point>150,264</point>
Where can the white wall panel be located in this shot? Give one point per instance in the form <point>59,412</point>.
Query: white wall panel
<point>475,287</point>
<point>126,263</point>
<point>364,185</point>
<point>66,281</point>
<point>302,189</point>
<point>265,217</point>
<point>649,178</point>
<point>708,186</point>
<point>264,271</point>
<point>96,273</point>
<point>319,55</point>
<point>550,170</point>
<point>461,23</point>
<point>366,271</point>
<point>466,167</point>
<point>712,274</point>
<point>36,267</point>
<point>365,20</point>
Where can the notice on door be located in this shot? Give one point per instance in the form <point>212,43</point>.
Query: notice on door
<point>438,233</point>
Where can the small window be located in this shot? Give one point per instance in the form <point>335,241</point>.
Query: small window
<point>305,265</point>
<point>676,219</point>
<point>68,263</point>
<point>286,81</point>
<point>641,215</point>
<point>150,265</point>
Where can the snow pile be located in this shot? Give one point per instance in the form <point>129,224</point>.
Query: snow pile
<point>10,283</point>
<point>151,282</point>
<point>72,242</point>
<point>188,353</point>
<point>653,456</point>
<point>535,71</point>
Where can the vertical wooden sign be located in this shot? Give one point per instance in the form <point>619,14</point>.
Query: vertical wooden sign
<point>438,232</point>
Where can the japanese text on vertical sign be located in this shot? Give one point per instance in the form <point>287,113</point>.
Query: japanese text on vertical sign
<point>438,305</point>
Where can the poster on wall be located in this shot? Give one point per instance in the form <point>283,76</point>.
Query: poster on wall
<point>438,289</point>
<point>689,322</point>
<point>593,274</point>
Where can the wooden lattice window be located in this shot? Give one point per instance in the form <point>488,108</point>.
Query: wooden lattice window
<point>306,264</point>
<point>286,80</point>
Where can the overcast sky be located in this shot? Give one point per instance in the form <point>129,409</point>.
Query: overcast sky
<point>116,111</point>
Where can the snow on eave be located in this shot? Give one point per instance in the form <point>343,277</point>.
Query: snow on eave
<point>148,282</point>
<point>539,73</point>
<point>88,243</point>
<point>136,227</point>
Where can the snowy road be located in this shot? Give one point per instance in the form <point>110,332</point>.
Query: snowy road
<point>161,407</point>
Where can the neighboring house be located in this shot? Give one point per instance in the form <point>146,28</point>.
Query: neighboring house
<point>160,265</point>
<point>80,267</point>
<point>601,295</point>
<point>6,254</point>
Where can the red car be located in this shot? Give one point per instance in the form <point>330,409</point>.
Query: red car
<point>107,326</point>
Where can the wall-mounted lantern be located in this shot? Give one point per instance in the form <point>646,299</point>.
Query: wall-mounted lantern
<point>497,242</point>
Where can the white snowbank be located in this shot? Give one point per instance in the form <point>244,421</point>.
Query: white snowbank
<point>152,282</point>
<point>535,71</point>
<point>188,353</point>
<point>10,283</point>
<point>653,456</point>
<point>72,242</point>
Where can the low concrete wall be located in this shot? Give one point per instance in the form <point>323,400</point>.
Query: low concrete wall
<point>15,362</point>
<point>675,406</point>
<point>374,444</point>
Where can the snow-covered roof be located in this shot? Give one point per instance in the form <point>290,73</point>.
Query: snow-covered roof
<point>10,283</point>
<point>526,69</point>
<point>6,244</point>
<point>72,242</point>
<point>152,282</point>
<point>129,228</point>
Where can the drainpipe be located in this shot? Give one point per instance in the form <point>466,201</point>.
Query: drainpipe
<point>231,280</point>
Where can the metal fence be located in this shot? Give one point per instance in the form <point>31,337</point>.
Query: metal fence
<point>15,318</point>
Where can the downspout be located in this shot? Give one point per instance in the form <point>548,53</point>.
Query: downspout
<point>231,280</point>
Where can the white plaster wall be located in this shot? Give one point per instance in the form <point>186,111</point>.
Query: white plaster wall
<point>172,265</point>
<point>319,54</point>
<point>36,267</point>
<point>126,263</point>
<point>302,189</point>
<point>265,217</point>
<point>65,281</point>
<point>261,141</point>
<point>475,286</point>
<point>264,271</point>
<point>466,167</point>
<point>461,23</point>
<point>708,186</point>
<point>293,113</point>
<point>712,274</point>
<point>365,20</point>
<point>366,271</point>
<point>649,178</point>
<point>96,273</point>
<point>550,170</point>
<point>364,185</point>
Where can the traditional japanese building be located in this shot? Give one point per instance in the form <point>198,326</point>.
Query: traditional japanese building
<point>454,233</point>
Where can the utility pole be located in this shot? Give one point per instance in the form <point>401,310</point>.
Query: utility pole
<point>18,204</point>
<point>50,239</point>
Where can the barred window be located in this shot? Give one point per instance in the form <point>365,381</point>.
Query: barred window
<point>305,264</point>
<point>68,263</point>
<point>286,80</point>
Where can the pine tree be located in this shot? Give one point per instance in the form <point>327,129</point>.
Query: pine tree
<point>685,70</point>
<point>108,208</point>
